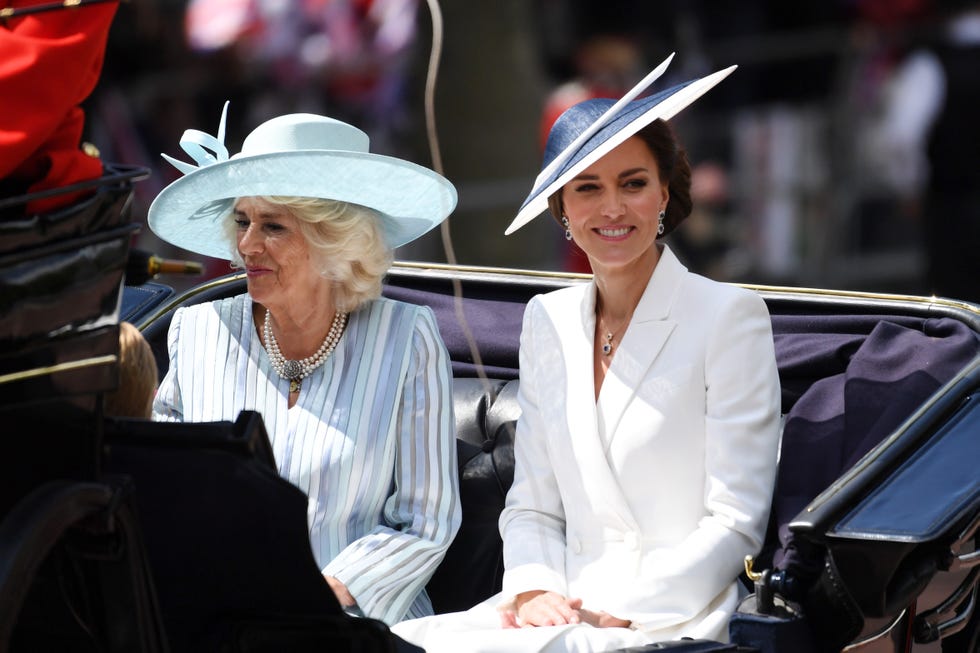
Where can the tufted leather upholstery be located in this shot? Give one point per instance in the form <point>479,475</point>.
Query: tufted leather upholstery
<point>486,411</point>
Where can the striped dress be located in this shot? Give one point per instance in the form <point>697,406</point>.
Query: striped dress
<point>370,440</point>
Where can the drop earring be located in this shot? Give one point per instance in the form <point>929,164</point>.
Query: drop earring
<point>568,232</point>
<point>660,223</point>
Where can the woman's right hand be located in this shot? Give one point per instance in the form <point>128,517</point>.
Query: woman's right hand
<point>602,619</point>
<point>341,592</point>
<point>540,608</point>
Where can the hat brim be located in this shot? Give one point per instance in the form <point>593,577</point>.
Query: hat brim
<point>605,140</point>
<point>411,199</point>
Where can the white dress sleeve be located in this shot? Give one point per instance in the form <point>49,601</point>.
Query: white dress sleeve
<point>167,406</point>
<point>532,523</point>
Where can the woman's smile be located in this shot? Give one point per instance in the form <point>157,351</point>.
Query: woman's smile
<point>612,207</point>
<point>614,233</point>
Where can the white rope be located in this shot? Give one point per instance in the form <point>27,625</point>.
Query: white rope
<point>447,241</point>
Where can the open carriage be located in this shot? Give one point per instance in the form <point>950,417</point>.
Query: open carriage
<point>127,535</point>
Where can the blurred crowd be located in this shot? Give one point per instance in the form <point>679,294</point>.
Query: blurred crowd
<point>837,164</point>
<point>171,66</point>
<point>836,156</point>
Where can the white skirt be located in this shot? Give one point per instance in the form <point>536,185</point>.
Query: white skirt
<point>478,630</point>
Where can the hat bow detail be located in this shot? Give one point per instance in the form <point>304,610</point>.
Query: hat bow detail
<point>204,148</point>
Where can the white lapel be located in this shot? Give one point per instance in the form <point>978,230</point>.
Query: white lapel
<point>576,345</point>
<point>643,340</point>
<point>580,407</point>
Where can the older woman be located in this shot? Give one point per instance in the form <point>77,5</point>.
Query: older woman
<point>354,389</point>
<point>646,448</point>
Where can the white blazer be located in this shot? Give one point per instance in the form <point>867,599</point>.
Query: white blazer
<point>645,502</point>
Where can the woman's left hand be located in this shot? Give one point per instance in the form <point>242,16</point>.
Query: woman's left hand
<point>340,591</point>
<point>600,619</point>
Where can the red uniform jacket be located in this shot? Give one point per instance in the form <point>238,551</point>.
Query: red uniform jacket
<point>49,63</point>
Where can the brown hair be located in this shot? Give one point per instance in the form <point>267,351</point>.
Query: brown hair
<point>137,376</point>
<point>674,169</point>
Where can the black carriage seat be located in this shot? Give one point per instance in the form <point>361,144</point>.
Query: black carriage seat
<point>227,541</point>
<point>486,414</point>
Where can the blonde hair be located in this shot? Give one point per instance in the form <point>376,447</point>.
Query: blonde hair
<point>137,376</point>
<point>347,241</point>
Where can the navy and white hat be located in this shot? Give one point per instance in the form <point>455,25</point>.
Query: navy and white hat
<point>587,131</point>
<point>298,155</point>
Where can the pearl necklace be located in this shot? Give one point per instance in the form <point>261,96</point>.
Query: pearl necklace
<point>297,370</point>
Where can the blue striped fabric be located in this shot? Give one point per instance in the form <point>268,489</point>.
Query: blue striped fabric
<point>371,439</point>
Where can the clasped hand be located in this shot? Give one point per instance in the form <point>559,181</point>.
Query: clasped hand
<point>539,608</point>
<point>340,590</point>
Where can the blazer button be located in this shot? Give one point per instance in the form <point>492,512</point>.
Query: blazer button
<point>575,544</point>
<point>631,541</point>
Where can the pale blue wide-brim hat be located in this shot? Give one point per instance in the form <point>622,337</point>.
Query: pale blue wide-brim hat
<point>589,130</point>
<point>295,155</point>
